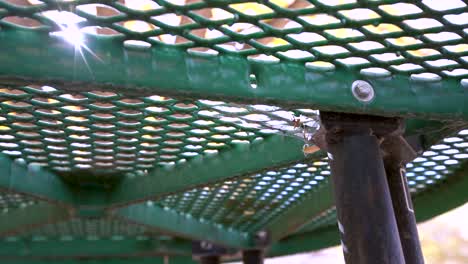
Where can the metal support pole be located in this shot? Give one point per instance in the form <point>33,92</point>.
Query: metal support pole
<point>210,260</point>
<point>397,153</point>
<point>366,219</point>
<point>208,253</point>
<point>404,213</point>
<point>254,256</point>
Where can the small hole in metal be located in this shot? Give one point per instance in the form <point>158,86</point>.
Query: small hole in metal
<point>253,81</point>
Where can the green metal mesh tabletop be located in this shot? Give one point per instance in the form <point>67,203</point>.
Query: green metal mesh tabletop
<point>129,129</point>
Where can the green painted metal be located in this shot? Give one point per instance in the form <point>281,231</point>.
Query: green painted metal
<point>253,203</point>
<point>427,139</point>
<point>224,77</point>
<point>306,242</point>
<point>196,63</point>
<point>442,198</point>
<point>95,138</point>
<point>21,219</point>
<point>452,143</point>
<point>310,208</point>
<point>249,203</point>
<point>12,200</point>
<point>139,260</point>
<point>454,195</point>
<point>33,181</point>
<point>239,161</point>
<point>271,150</point>
<point>93,228</point>
<point>107,135</point>
<point>445,197</point>
<point>85,248</point>
<point>167,220</point>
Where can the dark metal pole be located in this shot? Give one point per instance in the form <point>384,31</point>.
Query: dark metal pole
<point>404,213</point>
<point>207,252</point>
<point>366,219</point>
<point>397,153</point>
<point>254,256</point>
<point>210,260</point>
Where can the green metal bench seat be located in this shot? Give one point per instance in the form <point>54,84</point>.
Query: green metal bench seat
<point>130,129</point>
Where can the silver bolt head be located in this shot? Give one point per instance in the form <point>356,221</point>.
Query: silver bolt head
<point>363,91</point>
<point>206,245</point>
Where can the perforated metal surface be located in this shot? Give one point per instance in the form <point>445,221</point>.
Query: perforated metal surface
<point>422,38</point>
<point>49,123</point>
<point>91,229</point>
<point>379,37</point>
<point>249,203</point>
<point>110,133</point>
<point>128,83</point>
<point>425,173</point>
<point>11,201</point>
<point>438,163</point>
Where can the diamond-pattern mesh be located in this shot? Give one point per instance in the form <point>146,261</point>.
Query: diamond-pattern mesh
<point>76,130</point>
<point>424,173</point>
<point>78,228</point>
<point>108,132</point>
<point>248,204</point>
<point>424,39</point>
<point>438,162</point>
<point>11,201</point>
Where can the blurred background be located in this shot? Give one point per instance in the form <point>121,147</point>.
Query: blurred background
<point>444,240</point>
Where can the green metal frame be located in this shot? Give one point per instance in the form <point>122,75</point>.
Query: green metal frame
<point>293,219</point>
<point>452,196</point>
<point>232,192</point>
<point>163,220</point>
<point>143,260</point>
<point>31,217</point>
<point>32,181</point>
<point>257,157</point>
<point>92,248</point>
<point>43,184</point>
<point>427,206</point>
<point>224,77</point>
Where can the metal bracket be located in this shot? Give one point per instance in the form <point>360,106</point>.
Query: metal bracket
<point>262,239</point>
<point>339,123</point>
<point>336,125</point>
<point>361,190</point>
<point>397,150</point>
<point>369,154</point>
<point>205,248</point>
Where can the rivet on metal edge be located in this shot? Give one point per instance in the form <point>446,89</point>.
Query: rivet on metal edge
<point>206,245</point>
<point>262,234</point>
<point>363,91</point>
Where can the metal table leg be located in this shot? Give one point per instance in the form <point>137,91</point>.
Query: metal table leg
<point>207,252</point>
<point>366,219</point>
<point>404,213</point>
<point>254,256</point>
<point>397,153</point>
<point>210,260</point>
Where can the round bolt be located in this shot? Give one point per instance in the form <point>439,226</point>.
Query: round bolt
<point>363,91</point>
<point>262,234</point>
<point>261,238</point>
<point>206,245</point>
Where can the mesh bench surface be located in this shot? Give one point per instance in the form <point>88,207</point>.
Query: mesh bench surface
<point>129,129</point>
